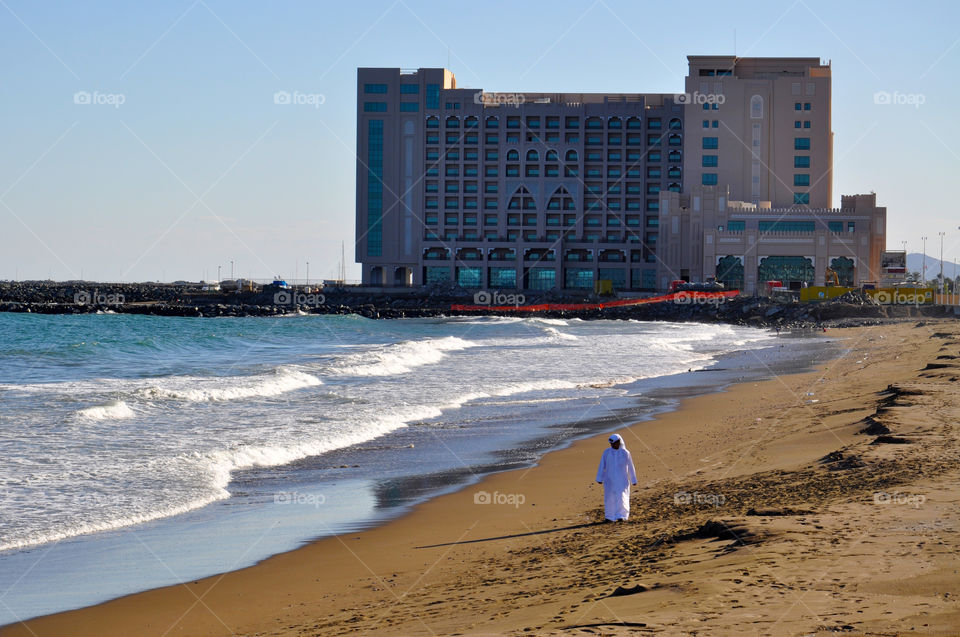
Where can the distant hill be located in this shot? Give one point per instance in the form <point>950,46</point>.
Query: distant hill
<point>915,264</point>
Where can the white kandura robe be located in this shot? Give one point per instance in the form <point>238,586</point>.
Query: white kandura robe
<point>616,472</point>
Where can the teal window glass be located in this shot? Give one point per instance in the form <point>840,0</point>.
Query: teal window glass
<point>710,161</point>
<point>433,96</point>
<point>777,268</point>
<point>801,198</point>
<point>709,179</point>
<point>736,226</point>
<point>616,275</point>
<point>436,274</point>
<point>801,180</point>
<point>374,107</point>
<point>541,278</point>
<point>374,88</point>
<point>578,278</point>
<point>711,143</point>
<point>801,143</point>
<point>409,89</point>
<point>786,226</point>
<point>409,107</point>
<point>468,277</point>
<point>503,277</point>
<point>374,187</point>
<point>801,161</point>
<point>835,226</point>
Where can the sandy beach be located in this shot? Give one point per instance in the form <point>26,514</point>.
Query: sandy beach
<point>808,504</point>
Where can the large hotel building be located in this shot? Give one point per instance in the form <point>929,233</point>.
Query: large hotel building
<point>730,179</point>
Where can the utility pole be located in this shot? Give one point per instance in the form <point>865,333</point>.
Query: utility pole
<point>218,274</point>
<point>231,268</point>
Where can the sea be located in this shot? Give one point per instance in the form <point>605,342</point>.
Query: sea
<point>140,451</point>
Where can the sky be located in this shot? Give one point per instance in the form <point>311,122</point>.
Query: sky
<point>140,141</point>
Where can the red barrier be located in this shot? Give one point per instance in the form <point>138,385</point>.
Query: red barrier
<point>681,297</point>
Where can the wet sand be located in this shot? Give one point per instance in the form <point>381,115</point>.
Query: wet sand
<point>811,503</point>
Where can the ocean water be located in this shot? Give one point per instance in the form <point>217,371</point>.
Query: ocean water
<point>116,424</point>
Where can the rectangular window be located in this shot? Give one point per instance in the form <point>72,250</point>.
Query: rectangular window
<point>801,180</point>
<point>806,106</point>
<point>375,187</point>
<point>409,107</point>
<point>806,124</point>
<point>801,198</point>
<point>433,96</point>
<point>374,88</point>
<point>786,226</point>
<point>851,226</point>
<point>709,179</point>
<point>835,226</point>
<point>801,143</point>
<point>706,123</point>
<point>409,89</point>
<point>736,226</point>
<point>797,106</point>
<point>710,161</point>
<point>711,143</point>
<point>374,107</point>
<point>797,123</point>
<point>801,161</point>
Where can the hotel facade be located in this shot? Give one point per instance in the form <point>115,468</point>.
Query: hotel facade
<point>730,179</point>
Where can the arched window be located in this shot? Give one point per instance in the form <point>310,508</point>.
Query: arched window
<point>756,107</point>
<point>533,155</point>
<point>675,124</point>
<point>492,122</point>
<point>571,156</point>
<point>433,122</point>
<point>453,122</point>
<point>471,122</point>
<point>513,155</point>
<point>594,122</point>
<point>552,155</point>
<point>634,122</point>
<point>674,187</point>
<point>674,156</point>
<point>614,122</point>
<point>674,140</point>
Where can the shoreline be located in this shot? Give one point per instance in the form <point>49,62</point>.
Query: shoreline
<point>393,576</point>
<point>642,401</point>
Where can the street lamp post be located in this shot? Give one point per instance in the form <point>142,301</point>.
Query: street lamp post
<point>941,261</point>
<point>923,272</point>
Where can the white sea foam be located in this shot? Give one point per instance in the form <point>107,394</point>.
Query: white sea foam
<point>399,358</point>
<point>195,389</point>
<point>111,411</point>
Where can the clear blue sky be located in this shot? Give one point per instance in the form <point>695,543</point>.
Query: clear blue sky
<point>199,166</point>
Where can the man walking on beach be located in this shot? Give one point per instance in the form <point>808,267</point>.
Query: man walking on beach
<point>616,474</point>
